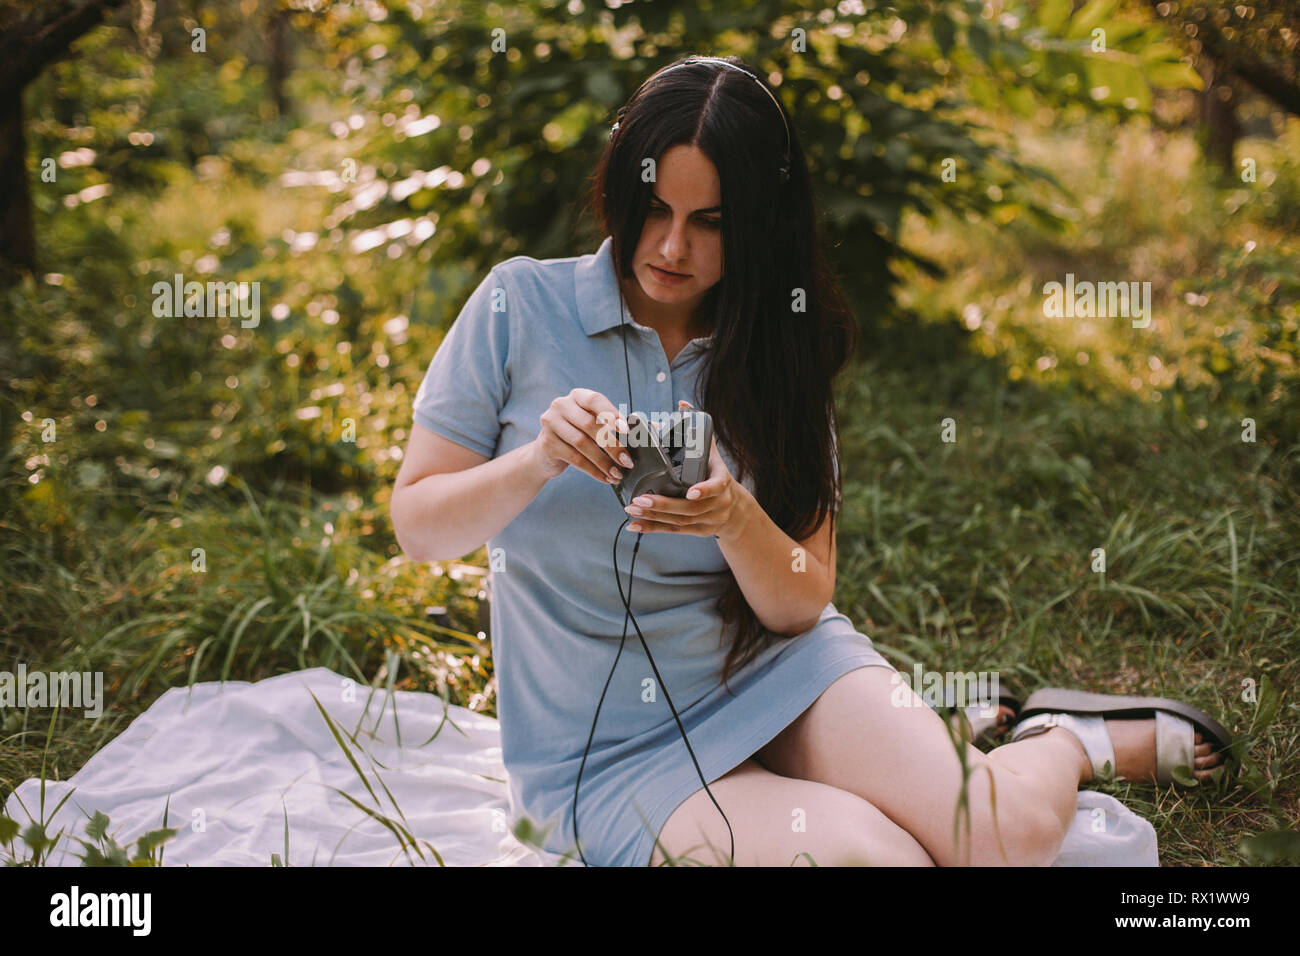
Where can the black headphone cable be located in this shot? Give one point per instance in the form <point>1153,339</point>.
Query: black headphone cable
<point>627,605</point>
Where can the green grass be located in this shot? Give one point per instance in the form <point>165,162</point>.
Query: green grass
<point>977,555</point>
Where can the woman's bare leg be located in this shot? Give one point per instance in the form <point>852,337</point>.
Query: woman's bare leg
<point>902,760</point>
<point>777,819</point>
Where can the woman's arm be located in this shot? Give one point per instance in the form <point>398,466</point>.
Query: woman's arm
<point>787,582</point>
<point>448,500</point>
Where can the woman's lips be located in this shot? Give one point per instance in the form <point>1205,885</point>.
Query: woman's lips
<point>668,278</point>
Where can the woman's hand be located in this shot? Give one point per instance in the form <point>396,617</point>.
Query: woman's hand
<point>572,431</point>
<point>715,506</point>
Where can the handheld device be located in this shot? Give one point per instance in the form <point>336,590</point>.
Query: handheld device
<point>665,463</point>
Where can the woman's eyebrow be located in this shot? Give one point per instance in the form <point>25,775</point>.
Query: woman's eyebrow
<point>655,195</point>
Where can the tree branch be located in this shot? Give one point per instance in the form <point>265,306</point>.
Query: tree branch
<point>35,42</point>
<point>1258,73</point>
<point>1239,59</point>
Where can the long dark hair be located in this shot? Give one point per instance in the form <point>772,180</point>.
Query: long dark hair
<point>768,379</point>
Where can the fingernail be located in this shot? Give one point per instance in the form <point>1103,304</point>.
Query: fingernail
<point>643,501</point>
<point>634,527</point>
<point>626,459</point>
<point>693,493</point>
<point>618,475</point>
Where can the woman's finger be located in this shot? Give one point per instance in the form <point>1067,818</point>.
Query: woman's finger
<point>601,431</point>
<point>641,524</point>
<point>584,454</point>
<point>601,419</point>
<point>664,504</point>
<point>709,488</point>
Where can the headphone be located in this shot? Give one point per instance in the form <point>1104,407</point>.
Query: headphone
<point>784,168</point>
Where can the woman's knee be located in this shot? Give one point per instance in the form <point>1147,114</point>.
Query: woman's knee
<point>826,826</point>
<point>1047,835</point>
<point>1022,832</point>
<point>783,821</point>
<point>869,838</point>
<point>1041,836</point>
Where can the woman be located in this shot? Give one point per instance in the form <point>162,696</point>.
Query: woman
<point>710,291</point>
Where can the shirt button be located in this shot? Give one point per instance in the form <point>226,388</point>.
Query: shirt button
<point>660,377</point>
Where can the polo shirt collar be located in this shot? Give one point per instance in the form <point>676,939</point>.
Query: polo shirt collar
<point>596,285</point>
<point>597,289</point>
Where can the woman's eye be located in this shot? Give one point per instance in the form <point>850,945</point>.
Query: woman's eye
<point>662,210</point>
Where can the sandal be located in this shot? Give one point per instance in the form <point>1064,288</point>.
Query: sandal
<point>984,729</point>
<point>1083,713</point>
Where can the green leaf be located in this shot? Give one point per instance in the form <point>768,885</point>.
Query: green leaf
<point>93,857</point>
<point>1118,32</point>
<point>1160,51</point>
<point>1173,76</point>
<point>34,836</point>
<point>944,32</point>
<point>1183,774</point>
<point>1021,100</point>
<point>977,34</point>
<point>1117,82</point>
<point>154,839</point>
<point>1091,15</point>
<point>97,826</point>
<point>982,92</point>
<point>1053,14</point>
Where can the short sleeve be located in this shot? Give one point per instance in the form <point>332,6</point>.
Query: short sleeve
<point>467,382</point>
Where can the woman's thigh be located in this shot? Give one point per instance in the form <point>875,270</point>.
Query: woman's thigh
<point>874,737</point>
<point>776,819</point>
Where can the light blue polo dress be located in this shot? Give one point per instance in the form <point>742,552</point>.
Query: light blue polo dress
<point>531,331</point>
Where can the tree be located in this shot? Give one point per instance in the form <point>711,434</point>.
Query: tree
<point>277,30</point>
<point>33,34</point>
<point>1254,43</point>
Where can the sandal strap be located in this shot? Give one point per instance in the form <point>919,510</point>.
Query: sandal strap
<point>983,727</point>
<point>1175,745</point>
<point>1089,730</point>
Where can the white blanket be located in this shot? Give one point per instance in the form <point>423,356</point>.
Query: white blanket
<point>236,759</point>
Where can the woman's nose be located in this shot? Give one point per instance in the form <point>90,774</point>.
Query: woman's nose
<point>673,247</point>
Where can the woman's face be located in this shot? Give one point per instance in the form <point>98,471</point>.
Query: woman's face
<point>683,230</point>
